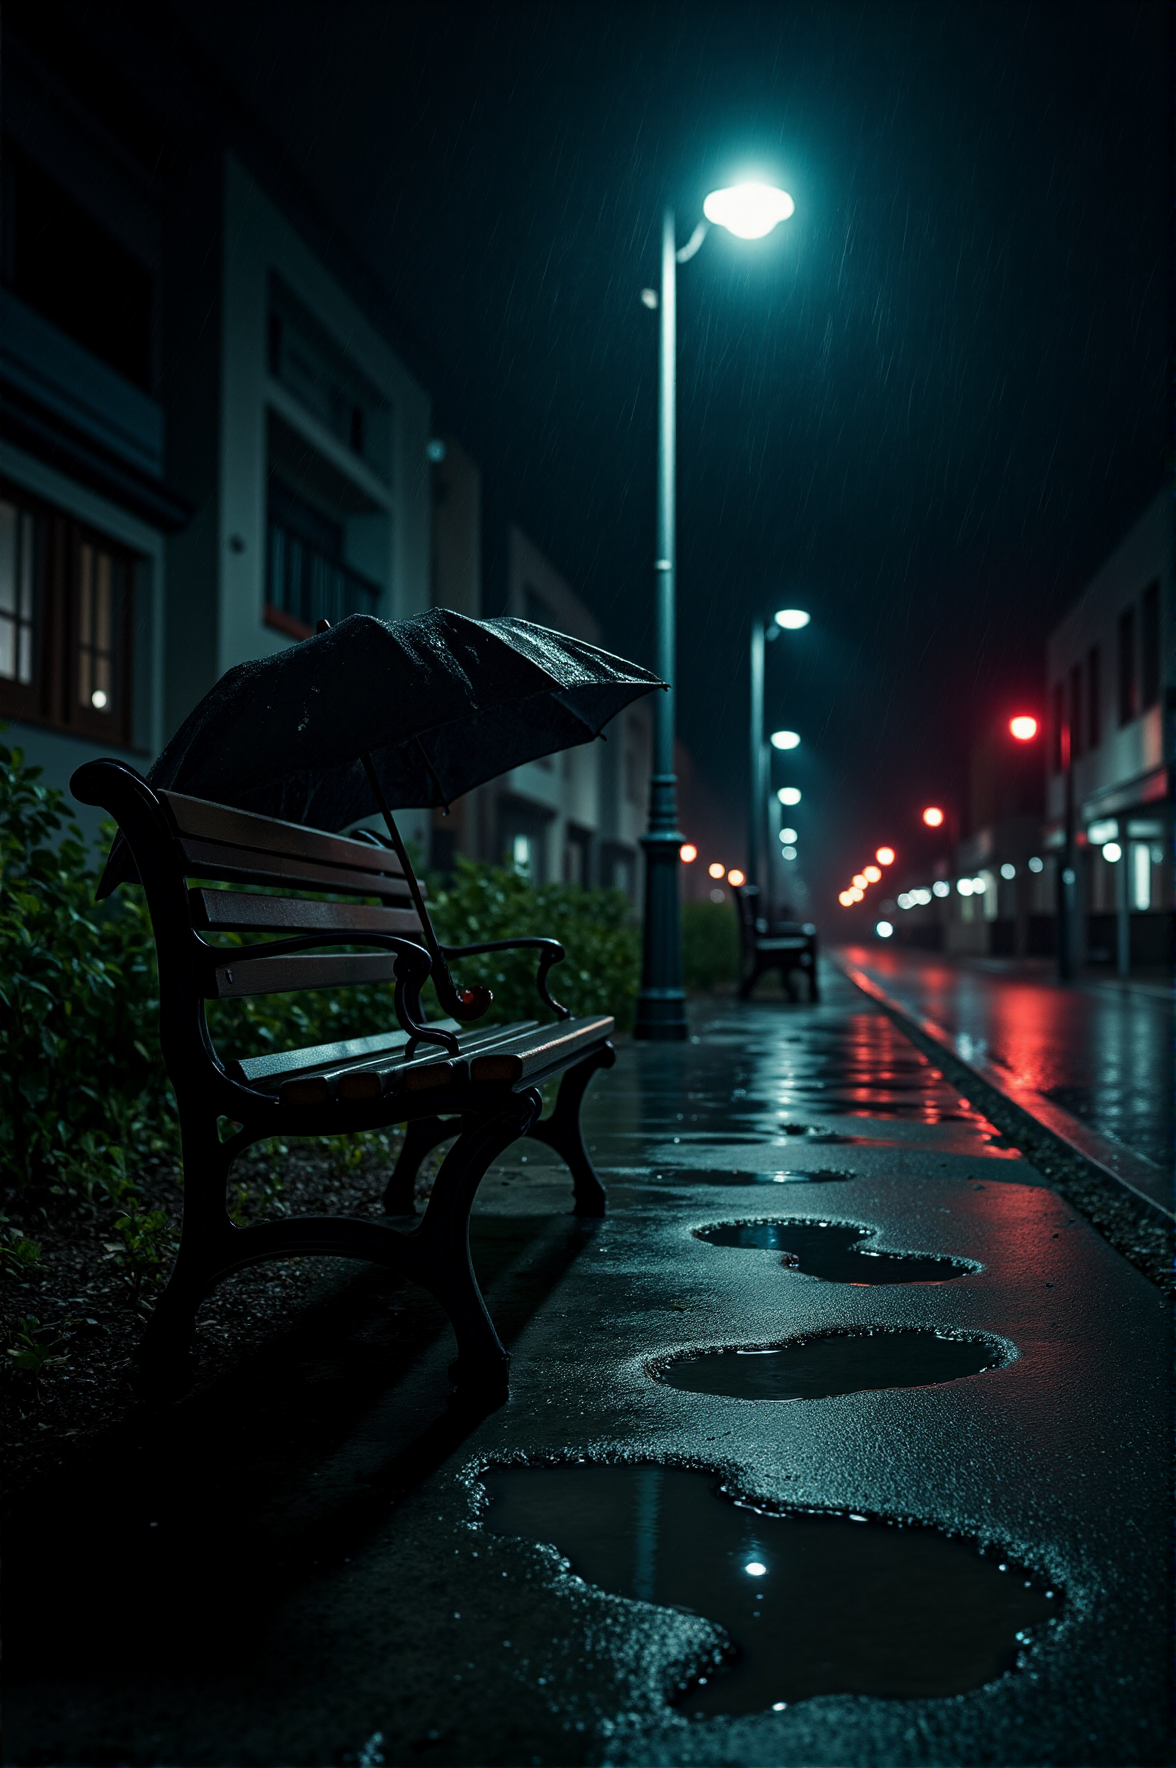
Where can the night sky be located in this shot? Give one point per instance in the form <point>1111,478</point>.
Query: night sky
<point>925,408</point>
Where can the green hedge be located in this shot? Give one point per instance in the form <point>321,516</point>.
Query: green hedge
<point>710,945</point>
<point>83,1094</point>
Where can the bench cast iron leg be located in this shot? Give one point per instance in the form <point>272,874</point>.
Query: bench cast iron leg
<point>562,1132</point>
<point>163,1357</point>
<point>443,1242</point>
<point>420,1138</point>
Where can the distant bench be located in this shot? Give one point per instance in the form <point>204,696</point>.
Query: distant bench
<point>789,947</point>
<point>437,1078</point>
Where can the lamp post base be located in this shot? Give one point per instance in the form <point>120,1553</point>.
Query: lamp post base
<point>661,1004</point>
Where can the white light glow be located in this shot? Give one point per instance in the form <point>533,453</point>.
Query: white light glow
<point>789,795</point>
<point>792,619</point>
<point>785,740</point>
<point>789,835</point>
<point>716,869</point>
<point>941,888</point>
<point>884,930</point>
<point>788,853</point>
<point>979,885</point>
<point>964,886</point>
<point>1112,851</point>
<point>1105,830</point>
<point>1036,865</point>
<point>1008,871</point>
<point>748,210</point>
<point>1141,878</point>
<point>98,700</point>
<point>755,1568</point>
<point>906,900</point>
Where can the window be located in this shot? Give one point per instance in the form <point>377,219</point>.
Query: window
<point>306,578</point>
<point>1128,678</point>
<point>1058,732</point>
<point>1076,719</point>
<point>1149,636</point>
<point>63,263</point>
<point>306,360</point>
<point>1093,697</point>
<point>65,604</point>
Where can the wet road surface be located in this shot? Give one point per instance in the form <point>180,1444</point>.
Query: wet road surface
<point>957,1485</point>
<point>1102,1050</point>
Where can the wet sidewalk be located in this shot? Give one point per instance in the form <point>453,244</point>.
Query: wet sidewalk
<point>843,1440</point>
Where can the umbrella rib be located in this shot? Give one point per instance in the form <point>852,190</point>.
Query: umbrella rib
<point>432,773</point>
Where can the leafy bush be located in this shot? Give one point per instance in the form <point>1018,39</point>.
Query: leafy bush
<point>710,945</point>
<point>82,1090</point>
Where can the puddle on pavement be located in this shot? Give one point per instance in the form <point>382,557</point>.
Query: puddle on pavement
<point>836,1252</point>
<point>813,1604</point>
<point>831,1363</point>
<point>822,1176</point>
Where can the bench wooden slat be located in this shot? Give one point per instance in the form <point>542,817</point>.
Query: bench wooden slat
<point>536,1050</point>
<point>245,865</point>
<point>265,976</point>
<point>206,821</point>
<point>365,1077</point>
<point>231,911</point>
<point>256,1070</point>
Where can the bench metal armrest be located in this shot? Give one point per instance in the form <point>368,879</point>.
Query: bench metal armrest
<point>412,972</point>
<point>550,952</point>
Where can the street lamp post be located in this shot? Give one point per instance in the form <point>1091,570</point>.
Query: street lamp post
<point>749,211</point>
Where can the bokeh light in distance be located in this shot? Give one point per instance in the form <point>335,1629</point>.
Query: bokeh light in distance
<point>792,619</point>
<point>789,794</point>
<point>1023,727</point>
<point>788,835</point>
<point>860,880</point>
<point>857,894</point>
<point>735,878</point>
<point>933,817</point>
<point>845,898</point>
<point>785,740</point>
<point>687,853</point>
<point>884,929</point>
<point>716,870</point>
<point>885,856</point>
<point>872,874</point>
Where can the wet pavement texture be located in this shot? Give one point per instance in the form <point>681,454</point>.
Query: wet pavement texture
<point>309,1562</point>
<point>1102,1050</point>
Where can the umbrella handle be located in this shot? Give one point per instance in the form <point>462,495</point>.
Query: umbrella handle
<point>463,1005</point>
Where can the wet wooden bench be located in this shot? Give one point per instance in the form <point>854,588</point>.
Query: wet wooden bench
<point>438,1078</point>
<point>788,947</point>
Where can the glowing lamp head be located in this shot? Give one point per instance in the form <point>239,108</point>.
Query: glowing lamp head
<point>749,211</point>
<point>1023,727</point>
<point>885,856</point>
<point>687,853</point>
<point>715,869</point>
<point>792,619</point>
<point>933,817</point>
<point>872,874</point>
<point>735,878</point>
<point>789,794</point>
<point>785,740</point>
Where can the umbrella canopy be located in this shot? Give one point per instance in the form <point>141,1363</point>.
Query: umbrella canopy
<point>439,703</point>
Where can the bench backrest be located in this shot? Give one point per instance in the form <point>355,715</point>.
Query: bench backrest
<point>214,842</point>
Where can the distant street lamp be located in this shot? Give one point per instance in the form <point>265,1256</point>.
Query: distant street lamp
<point>750,211</point>
<point>786,620</point>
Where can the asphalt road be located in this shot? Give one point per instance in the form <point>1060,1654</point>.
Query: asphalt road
<point>1101,1050</point>
<point>258,1577</point>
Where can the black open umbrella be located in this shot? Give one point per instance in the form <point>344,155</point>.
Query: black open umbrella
<point>370,715</point>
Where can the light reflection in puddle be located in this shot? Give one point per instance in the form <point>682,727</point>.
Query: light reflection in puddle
<point>832,1363</point>
<point>836,1252</point>
<point>813,1604</point>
